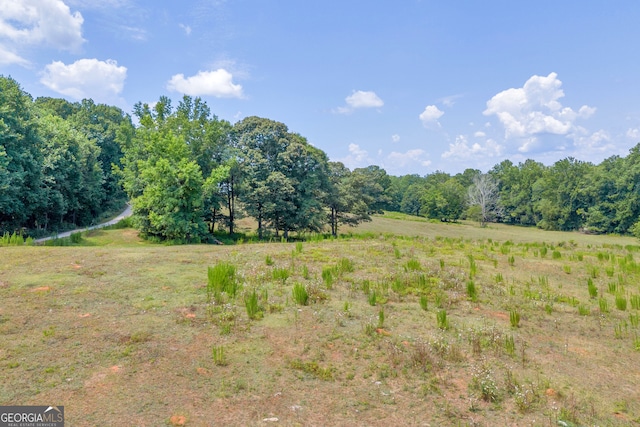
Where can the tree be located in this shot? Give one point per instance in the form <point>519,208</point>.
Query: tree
<point>444,200</point>
<point>344,200</point>
<point>484,198</point>
<point>373,183</point>
<point>412,199</point>
<point>270,156</point>
<point>21,193</point>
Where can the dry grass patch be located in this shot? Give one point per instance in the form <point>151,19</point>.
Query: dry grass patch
<point>131,324</point>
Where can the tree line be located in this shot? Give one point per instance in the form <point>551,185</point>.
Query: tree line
<point>189,174</point>
<point>56,161</point>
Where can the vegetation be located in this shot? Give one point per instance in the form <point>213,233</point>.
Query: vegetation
<point>186,173</point>
<point>215,322</point>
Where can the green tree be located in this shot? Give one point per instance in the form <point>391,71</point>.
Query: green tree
<point>344,200</point>
<point>21,192</point>
<point>444,200</point>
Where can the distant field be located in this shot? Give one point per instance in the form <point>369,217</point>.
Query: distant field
<point>409,323</point>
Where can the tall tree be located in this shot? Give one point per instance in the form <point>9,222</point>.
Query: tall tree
<point>21,193</point>
<point>484,199</point>
<point>345,201</point>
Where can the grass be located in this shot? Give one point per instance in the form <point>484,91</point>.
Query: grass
<point>127,322</point>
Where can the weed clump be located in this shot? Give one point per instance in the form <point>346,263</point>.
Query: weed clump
<point>221,278</point>
<point>300,294</point>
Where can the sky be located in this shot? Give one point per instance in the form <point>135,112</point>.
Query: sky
<point>413,86</point>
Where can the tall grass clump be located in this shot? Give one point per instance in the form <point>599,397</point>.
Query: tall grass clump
<point>281,273</point>
<point>300,294</point>
<point>593,289</point>
<point>327,276</point>
<point>473,267</point>
<point>221,278</point>
<point>441,318</point>
<point>251,305</point>
<point>472,291</point>
<point>76,238</point>
<point>556,255</point>
<point>621,302</point>
<point>635,302</point>
<point>345,265</point>
<point>603,305</point>
<point>424,302</point>
<point>514,318</point>
<point>412,265</point>
<point>218,356</point>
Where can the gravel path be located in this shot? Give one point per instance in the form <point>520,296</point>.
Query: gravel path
<point>126,213</point>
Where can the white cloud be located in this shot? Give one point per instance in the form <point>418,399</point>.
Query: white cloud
<point>86,78</point>
<point>395,138</point>
<point>40,22</point>
<point>534,109</point>
<point>218,83</point>
<point>400,161</point>
<point>449,101</point>
<point>462,150</point>
<point>430,115</point>
<point>479,134</point>
<point>186,28</point>
<point>633,133</point>
<point>7,57</point>
<point>357,157</point>
<point>360,99</point>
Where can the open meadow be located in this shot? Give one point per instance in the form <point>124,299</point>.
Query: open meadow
<point>404,322</point>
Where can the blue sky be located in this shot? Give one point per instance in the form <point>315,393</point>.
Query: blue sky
<point>413,86</point>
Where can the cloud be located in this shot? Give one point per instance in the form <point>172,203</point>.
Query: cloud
<point>7,57</point>
<point>449,101</point>
<point>218,83</point>
<point>39,22</point>
<point>395,138</point>
<point>633,133</point>
<point>534,109</point>
<point>357,157</point>
<point>430,115</point>
<point>186,28</point>
<point>399,161</point>
<point>360,99</point>
<point>86,78</point>
<point>462,150</point>
<point>479,134</point>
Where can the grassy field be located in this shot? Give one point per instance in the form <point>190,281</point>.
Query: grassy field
<point>408,323</point>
